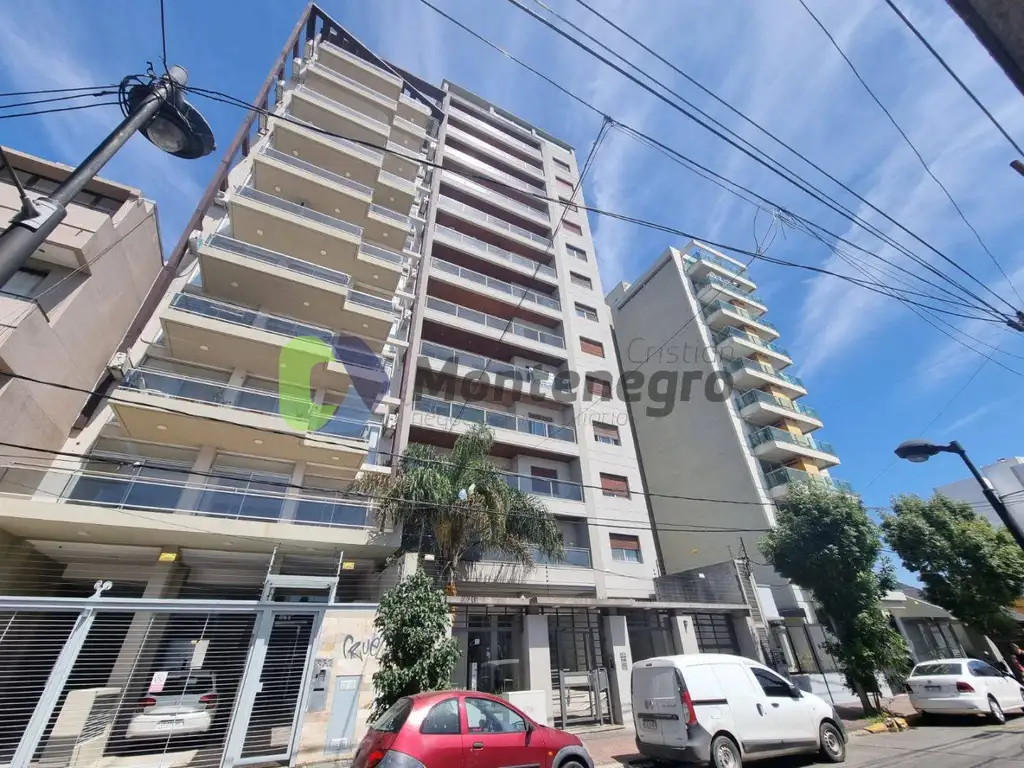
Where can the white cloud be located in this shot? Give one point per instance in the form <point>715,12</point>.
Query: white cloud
<point>970,418</point>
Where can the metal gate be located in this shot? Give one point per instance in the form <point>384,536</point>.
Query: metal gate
<point>197,683</point>
<point>578,678</point>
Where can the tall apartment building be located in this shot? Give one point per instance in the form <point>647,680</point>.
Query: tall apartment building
<point>382,261</point>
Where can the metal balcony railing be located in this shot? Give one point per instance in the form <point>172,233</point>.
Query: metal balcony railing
<point>756,395</point>
<point>256,253</point>
<point>545,380</point>
<point>316,170</point>
<point>493,250</point>
<point>498,323</point>
<point>330,74</point>
<point>299,210</point>
<point>768,434</point>
<point>489,194</point>
<point>452,204</point>
<point>373,154</point>
<point>714,306</point>
<point>575,557</point>
<point>495,284</point>
<point>506,178</point>
<point>754,365</point>
<point>498,419</point>
<point>541,486</point>
<point>229,313</point>
<point>788,475</point>
<point>735,333</point>
<point>466,117</point>
<point>497,152</point>
<point>337,106</point>
<point>721,282</point>
<point>728,266</point>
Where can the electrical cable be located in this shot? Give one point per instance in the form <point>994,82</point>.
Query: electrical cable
<point>57,90</point>
<point>58,98</point>
<point>62,109</point>
<point>163,35</point>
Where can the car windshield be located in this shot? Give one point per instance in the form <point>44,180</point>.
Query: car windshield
<point>937,669</point>
<point>193,683</point>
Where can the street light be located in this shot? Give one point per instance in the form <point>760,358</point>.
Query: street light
<point>919,451</point>
<point>159,112</point>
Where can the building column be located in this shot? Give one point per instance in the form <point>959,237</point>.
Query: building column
<point>620,662</point>
<point>746,637</point>
<point>197,483</point>
<point>537,658</point>
<point>684,634</point>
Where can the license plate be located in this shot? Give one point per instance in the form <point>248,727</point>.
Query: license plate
<point>167,725</point>
<point>933,687</point>
<point>648,724</point>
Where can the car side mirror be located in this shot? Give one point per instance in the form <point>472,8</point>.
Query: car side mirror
<point>529,731</point>
<point>795,692</point>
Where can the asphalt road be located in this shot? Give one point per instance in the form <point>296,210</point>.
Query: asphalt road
<point>955,744</point>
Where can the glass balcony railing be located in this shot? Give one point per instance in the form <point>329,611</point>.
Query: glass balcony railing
<point>728,266</point>
<point>498,419</point>
<point>465,117</point>
<point>498,323</point>
<point>714,306</point>
<point>409,126</point>
<point>768,434</point>
<point>475,213</point>
<point>482,166</point>
<point>316,170</point>
<point>381,253</point>
<point>341,53</point>
<point>157,490</point>
<point>756,395</point>
<point>400,219</point>
<point>496,285</point>
<point>243,399</point>
<point>372,154</point>
<point>409,153</point>
<point>493,250</point>
<point>542,486</point>
<point>575,557</point>
<point>753,365</point>
<point>494,151</point>
<point>735,333</point>
<point>331,74</point>
<point>369,300</point>
<point>545,379</point>
<point>229,313</point>
<point>397,181</point>
<point>299,210</point>
<point>788,475</point>
<point>249,251</point>
<point>330,103</point>
<point>496,197</point>
<point>719,282</point>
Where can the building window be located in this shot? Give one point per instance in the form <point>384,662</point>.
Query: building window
<point>562,164</point>
<point>576,229</point>
<point>582,310</point>
<point>614,485</point>
<point>581,280</point>
<point>25,283</point>
<point>606,433</point>
<point>565,185</point>
<point>625,549</point>
<point>592,347</point>
<point>598,388</point>
<point>576,253</point>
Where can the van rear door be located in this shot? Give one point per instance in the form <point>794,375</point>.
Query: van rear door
<point>658,711</point>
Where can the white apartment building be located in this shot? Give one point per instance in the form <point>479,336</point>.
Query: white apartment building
<point>381,261</point>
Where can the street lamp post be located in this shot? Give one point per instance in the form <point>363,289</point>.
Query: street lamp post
<point>919,451</point>
<point>163,117</point>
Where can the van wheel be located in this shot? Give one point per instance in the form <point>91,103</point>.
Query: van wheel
<point>833,748</point>
<point>725,754</point>
<point>995,712</point>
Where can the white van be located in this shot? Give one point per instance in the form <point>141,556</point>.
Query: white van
<point>722,709</point>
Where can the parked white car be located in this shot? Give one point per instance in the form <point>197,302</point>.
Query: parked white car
<point>963,687</point>
<point>184,705</point>
<point>721,709</point>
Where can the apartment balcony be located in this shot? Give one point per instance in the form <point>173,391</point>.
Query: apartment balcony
<point>408,134</point>
<point>721,314</point>
<point>337,117</point>
<point>779,446</point>
<point>757,407</point>
<point>516,297</point>
<point>415,111</point>
<point>403,161</point>
<point>495,224</point>
<point>701,264</point>
<point>394,192</point>
<point>464,116</point>
<point>572,571</point>
<point>475,165</point>
<point>512,433</point>
<point>162,407</point>
<point>359,69</point>
<point>562,499</point>
<point>750,374</point>
<point>497,154</point>
<point>505,202</point>
<point>441,358</point>
<point>346,90</point>
<point>293,179</point>
<point>280,225</point>
<point>780,480</point>
<point>733,343</point>
<point>492,254</point>
<point>340,157</point>
<point>713,287</point>
<point>214,333</point>
<point>470,321</point>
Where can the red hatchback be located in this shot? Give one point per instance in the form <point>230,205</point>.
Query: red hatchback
<point>464,729</point>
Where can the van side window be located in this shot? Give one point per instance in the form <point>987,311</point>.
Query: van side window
<point>771,684</point>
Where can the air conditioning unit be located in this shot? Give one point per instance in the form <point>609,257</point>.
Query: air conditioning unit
<point>392,421</point>
<point>195,240</point>
<point>119,365</point>
<point>220,198</point>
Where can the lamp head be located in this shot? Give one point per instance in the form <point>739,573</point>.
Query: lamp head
<point>177,128</point>
<point>918,450</point>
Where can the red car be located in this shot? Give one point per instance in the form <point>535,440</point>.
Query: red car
<point>464,729</point>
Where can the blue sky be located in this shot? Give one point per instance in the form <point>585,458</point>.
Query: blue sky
<point>876,373</point>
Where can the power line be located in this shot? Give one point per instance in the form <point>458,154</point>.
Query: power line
<point>58,90</point>
<point>909,24</point>
<point>62,109</point>
<point>163,34</point>
<point>913,148</point>
<point>58,98</point>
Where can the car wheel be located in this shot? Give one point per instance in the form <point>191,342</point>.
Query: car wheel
<point>995,712</point>
<point>725,753</point>
<point>571,763</point>
<point>833,747</point>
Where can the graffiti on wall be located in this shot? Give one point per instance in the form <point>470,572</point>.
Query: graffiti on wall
<point>352,648</point>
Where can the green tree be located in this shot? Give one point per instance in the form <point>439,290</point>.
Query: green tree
<point>418,652</point>
<point>458,502</point>
<point>826,543</point>
<point>967,566</point>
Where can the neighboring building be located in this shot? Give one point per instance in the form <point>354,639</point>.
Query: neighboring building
<point>1007,478</point>
<point>999,26</point>
<point>427,301</point>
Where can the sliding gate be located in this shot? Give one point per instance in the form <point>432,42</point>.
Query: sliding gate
<point>198,683</point>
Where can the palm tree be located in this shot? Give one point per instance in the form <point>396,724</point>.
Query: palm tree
<point>462,501</point>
